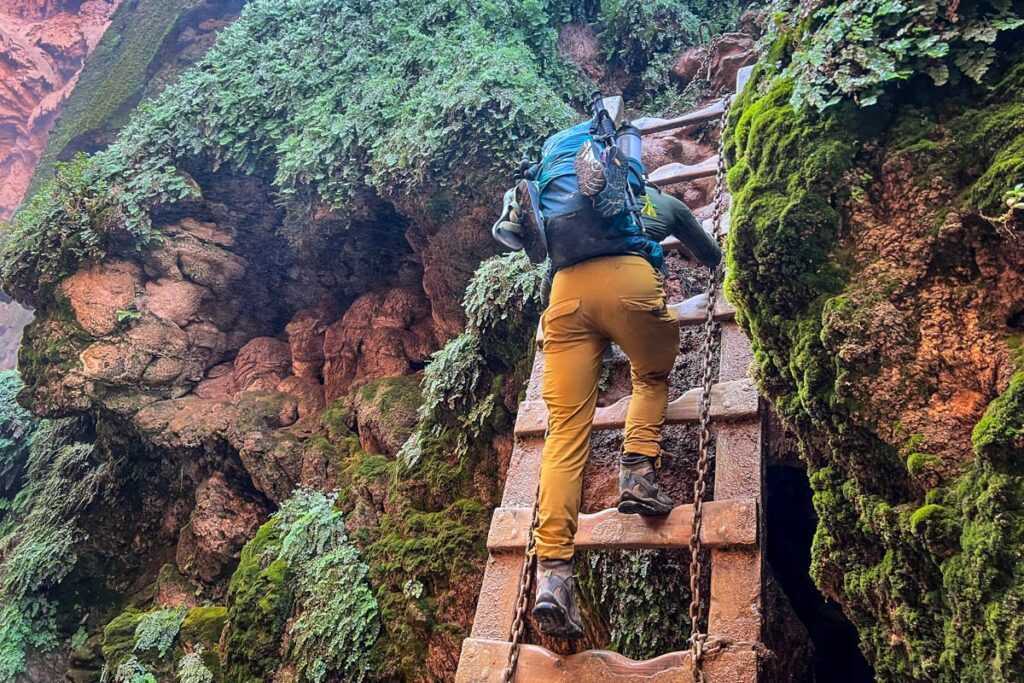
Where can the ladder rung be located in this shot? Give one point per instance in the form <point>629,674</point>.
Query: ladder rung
<point>482,661</point>
<point>649,125</point>
<point>729,401</point>
<point>693,311</point>
<point>689,311</point>
<point>677,173</point>
<point>727,523</point>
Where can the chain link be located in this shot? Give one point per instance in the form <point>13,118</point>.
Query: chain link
<point>523,599</point>
<point>698,639</point>
<point>703,68</point>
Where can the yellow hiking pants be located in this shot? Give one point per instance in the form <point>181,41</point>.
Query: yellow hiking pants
<point>612,298</point>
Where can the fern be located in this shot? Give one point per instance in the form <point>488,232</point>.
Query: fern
<point>158,629</point>
<point>854,49</point>
<point>39,534</point>
<point>192,669</point>
<point>335,622</point>
<point>133,671</point>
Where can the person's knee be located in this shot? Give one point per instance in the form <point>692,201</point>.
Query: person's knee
<point>655,379</point>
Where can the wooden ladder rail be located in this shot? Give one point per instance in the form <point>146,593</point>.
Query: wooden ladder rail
<point>733,530</point>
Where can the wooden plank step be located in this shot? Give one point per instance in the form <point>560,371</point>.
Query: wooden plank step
<point>727,524</point>
<point>693,311</point>
<point>689,311</point>
<point>729,401</point>
<point>649,125</point>
<point>482,661</point>
<point>677,173</point>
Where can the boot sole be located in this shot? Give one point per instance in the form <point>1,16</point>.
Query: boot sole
<point>630,506</point>
<point>552,620</point>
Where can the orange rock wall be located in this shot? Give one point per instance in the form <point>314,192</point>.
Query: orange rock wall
<point>43,45</point>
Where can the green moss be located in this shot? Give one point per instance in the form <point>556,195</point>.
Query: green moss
<point>119,638</point>
<point>426,547</point>
<point>260,601</point>
<point>336,419</point>
<point>926,568</point>
<point>204,625</point>
<point>985,581</point>
<point>999,435</point>
<point>395,397</point>
<point>441,552</point>
<point>920,463</point>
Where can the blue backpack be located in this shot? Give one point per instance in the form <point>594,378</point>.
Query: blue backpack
<point>573,229</point>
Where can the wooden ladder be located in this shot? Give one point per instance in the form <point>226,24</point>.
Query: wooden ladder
<point>732,526</point>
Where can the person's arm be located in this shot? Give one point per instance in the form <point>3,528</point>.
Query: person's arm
<point>673,217</point>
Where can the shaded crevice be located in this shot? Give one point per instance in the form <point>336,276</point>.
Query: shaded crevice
<point>791,523</point>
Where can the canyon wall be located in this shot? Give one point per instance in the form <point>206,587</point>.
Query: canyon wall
<point>43,46</point>
<point>876,262</point>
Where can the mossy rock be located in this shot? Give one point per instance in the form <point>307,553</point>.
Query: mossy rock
<point>260,602</point>
<point>203,626</point>
<point>119,644</point>
<point>385,412</point>
<point>924,564</point>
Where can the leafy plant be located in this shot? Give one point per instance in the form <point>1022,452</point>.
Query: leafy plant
<point>127,316</point>
<point>158,629</point>
<point>39,534</point>
<point>16,428</point>
<point>854,49</point>
<point>192,669</point>
<point>68,221</point>
<point>503,303</point>
<point>335,620</point>
<point>133,671</point>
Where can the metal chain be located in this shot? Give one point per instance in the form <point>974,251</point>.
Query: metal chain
<point>523,599</point>
<point>698,639</point>
<point>703,68</point>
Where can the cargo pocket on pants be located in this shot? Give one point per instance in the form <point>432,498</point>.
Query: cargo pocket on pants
<point>555,311</point>
<point>653,305</point>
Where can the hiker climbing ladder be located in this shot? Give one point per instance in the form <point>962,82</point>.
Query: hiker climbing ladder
<point>731,527</point>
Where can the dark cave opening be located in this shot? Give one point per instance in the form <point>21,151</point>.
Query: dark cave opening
<point>791,522</point>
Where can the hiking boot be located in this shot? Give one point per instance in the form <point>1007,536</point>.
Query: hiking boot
<point>589,171</point>
<point>639,493</point>
<point>612,199</point>
<point>507,229</point>
<point>527,198</point>
<point>555,607</point>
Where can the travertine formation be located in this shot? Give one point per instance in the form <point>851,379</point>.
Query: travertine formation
<point>43,44</point>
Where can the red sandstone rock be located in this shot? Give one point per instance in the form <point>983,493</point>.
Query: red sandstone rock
<point>383,334</point>
<point>450,257</point>
<point>43,45</point>
<point>219,383</point>
<point>732,52</point>
<point>669,147</point>
<point>306,337</point>
<point>261,364</point>
<point>175,300</point>
<point>98,293</point>
<point>308,394</point>
<point>222,521</point>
